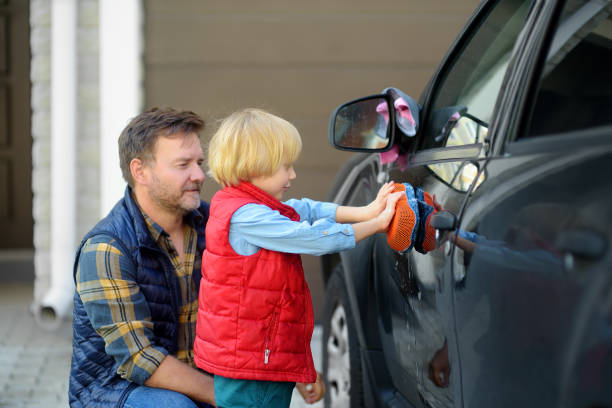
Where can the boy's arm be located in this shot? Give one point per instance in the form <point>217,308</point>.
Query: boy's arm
<point>255,226</point>
<point>380,223</point>
<point>345,214</point>
<point>311,210</point>
<point>461,242</point>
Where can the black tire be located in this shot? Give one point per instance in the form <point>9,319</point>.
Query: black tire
<point>341,360</point>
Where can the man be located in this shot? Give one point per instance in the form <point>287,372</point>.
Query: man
<point>137,275</point>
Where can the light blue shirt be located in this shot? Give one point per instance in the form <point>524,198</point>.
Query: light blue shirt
<point>255,226</point>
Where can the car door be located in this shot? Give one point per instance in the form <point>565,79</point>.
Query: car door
<point>530,279</point>
<point>414,312</point>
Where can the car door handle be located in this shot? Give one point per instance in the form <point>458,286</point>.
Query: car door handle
<point>444,220</point>
<point>582,243</point>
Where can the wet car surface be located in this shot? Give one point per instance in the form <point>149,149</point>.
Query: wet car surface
<point>514,306</point>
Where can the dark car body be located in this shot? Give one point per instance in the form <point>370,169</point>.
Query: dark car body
<point>524,316</point>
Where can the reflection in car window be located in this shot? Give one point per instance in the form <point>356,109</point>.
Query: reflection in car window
<point>465,130</point>
<point>463,105</point>
<point>473,81</point>
<point>575,90</point>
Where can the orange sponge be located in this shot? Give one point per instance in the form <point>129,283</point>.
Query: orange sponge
<point>404,225</point>
<point>426,237</point>
<point>429,236</point>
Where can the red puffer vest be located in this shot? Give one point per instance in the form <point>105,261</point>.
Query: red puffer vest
<point>255,316</point>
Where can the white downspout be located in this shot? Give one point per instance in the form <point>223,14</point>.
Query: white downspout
<point>57,302</point>
<point>120,88</point>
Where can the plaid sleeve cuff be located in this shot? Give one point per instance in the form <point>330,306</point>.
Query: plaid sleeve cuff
<point>141,365</point>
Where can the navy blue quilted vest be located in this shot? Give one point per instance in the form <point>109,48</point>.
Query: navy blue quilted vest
<point>94,381</point>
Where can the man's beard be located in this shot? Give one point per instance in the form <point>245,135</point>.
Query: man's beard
<point>162,195</point>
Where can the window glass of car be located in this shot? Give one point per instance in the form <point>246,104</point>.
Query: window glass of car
<point>463,100</point>
<point>575,88</point>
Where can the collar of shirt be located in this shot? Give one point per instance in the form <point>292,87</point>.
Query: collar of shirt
<point>192,219</point>
<point>189,297</point>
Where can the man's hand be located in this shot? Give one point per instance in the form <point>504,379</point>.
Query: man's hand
<point>312,392</point>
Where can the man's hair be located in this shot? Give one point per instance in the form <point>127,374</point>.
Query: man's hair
<point>251,143</point>
<point>138,138</point>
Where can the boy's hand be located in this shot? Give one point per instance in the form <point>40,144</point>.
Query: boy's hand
<point>381,222</point>
<point>386,215</point>
<point>312,392</point>
<point>379,203</point>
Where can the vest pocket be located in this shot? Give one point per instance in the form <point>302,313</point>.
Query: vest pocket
<point>271,334</point>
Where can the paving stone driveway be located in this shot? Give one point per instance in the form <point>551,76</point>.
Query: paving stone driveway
<point>34,363</point>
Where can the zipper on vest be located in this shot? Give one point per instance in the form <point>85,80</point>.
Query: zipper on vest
<point>270,336</point>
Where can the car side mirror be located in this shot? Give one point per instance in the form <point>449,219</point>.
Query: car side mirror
<point>363,124</point>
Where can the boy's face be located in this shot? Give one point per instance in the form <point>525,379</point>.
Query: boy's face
<point>277,183</point>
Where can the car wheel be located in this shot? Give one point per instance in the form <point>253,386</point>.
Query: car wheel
<point>341,360</point>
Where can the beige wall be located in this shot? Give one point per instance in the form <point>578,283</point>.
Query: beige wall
<point>298,60</point>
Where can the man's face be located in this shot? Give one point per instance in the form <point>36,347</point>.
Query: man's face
<point>175,174</point>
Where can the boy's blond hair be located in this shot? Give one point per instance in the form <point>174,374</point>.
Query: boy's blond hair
<point>251,143</point>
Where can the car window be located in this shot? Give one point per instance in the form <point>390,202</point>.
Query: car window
<point>463,101</point>
<point>575,90</point>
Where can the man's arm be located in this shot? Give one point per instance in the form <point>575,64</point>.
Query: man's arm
<point>120,314</point>
<point>175,375</point>
<point>117,309</point>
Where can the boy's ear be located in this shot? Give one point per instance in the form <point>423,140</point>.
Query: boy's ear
<point>138,170</point>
